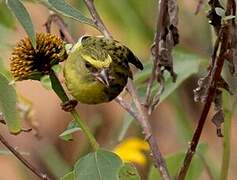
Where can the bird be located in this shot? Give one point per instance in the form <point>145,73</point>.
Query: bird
<point>97,69</point>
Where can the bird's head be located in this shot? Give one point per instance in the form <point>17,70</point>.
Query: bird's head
<point>98,63</point>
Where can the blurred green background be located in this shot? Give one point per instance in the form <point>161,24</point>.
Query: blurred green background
<point>133,23</point>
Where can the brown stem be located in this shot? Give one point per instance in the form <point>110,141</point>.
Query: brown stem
<point>54,18</point>
<point>215,76</point>
<point>155,50</point>
<point>144,122</point>
<point>141,115</point>
<point>126,106</point>
<point>23,160</point>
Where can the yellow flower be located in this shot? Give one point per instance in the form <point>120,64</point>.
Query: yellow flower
<point>29,63</point>
<point>132,150</point>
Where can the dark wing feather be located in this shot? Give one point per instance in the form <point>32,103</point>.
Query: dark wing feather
<point>134,60</point>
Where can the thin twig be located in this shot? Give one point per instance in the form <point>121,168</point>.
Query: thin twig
<point>142,116</point>
<point>126,106</point>
<point>23,160</point>
<point>54,18</point>
<point>97,19</point>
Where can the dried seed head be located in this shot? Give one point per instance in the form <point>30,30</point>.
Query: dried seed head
<point>29,63</point>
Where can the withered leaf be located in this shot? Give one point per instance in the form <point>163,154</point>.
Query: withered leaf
<point>169,37</point>
<point>200,93</point>
<point>218,119</point>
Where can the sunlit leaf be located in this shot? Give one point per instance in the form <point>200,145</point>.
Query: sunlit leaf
<point>46,82</point>
<point>128,172</point>
<point>68,176</point>
<point>8,100</point>
<point>23,17</point>
<point>99,165</point>
<point>220,11</point>
<point>66,9</point>
<point>67,134</point>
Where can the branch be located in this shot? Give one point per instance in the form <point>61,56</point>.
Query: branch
<point>141,115</point>
<point>215,75</point>
<point>23,160</point>
<point>97,19</point>
<point>147,131</point>
<point>126,106</point>
<point>54,18</point>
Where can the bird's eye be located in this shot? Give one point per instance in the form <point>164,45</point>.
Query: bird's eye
<point>88,65</point>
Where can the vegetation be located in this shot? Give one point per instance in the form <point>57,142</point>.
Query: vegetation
<point>156,107</point>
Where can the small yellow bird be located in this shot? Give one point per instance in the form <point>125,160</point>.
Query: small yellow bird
<point>97,70</point>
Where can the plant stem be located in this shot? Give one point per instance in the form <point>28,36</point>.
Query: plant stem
<point>59,90</point>
<point>85,129</point>
<point>62,27</point>
<point>22,159</point>
<point>142,118</point>
<point>215,76</point>
<point>97,19</point>
<point>226,147</point>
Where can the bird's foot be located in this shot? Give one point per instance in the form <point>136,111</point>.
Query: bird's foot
<point>69,105</point>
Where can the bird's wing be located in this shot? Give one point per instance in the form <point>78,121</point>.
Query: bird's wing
<point>134,60</point>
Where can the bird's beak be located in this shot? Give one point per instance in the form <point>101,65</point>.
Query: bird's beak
<point>103,77</point>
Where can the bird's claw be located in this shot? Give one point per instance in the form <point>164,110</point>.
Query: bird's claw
<point>69,105</point>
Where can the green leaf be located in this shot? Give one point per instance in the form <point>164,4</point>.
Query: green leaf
<point>68,176</point>
<point>128,172</point>
<point>46,82</point>
<point>6,18</point>
<point>175,161</point>
<point>57,68</point>
<point>23,17</point>
<point>99,165</point>
<point>67,134</point>
<point>8,101</point>
<point>220,11</point>
<point>67,10</point>
<point>228,17</point>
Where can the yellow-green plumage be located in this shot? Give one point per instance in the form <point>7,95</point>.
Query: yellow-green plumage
<point>88,59</point>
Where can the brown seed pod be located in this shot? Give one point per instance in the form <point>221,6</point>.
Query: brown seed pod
<point>29,63</point>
